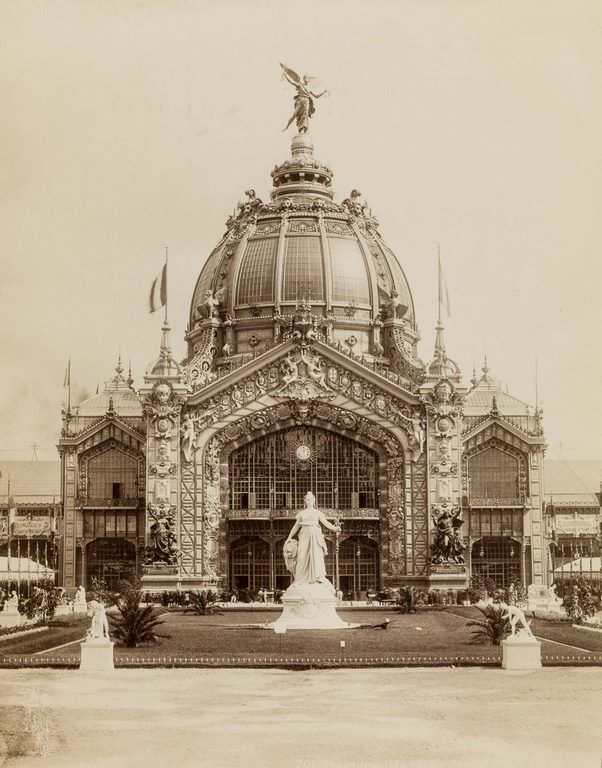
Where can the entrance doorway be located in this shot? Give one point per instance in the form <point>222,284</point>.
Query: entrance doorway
<point>358,567</point>
<point>110,559</point>
<point>498,559</point>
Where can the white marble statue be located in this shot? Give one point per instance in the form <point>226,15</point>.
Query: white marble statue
<point>99,630</point>
<point>308,564</point>
<point>12,602</point>
<point>516,617</point>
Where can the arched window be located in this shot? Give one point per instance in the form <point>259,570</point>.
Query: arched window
<point>276,471</point>
<point>493,474</point>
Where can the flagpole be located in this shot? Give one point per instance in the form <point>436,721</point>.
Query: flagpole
<point>8,540</point>
<point>69,386</point>
<point>166,259</point>
<point>439,282</point>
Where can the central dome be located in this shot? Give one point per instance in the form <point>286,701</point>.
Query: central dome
<point>301,247</point>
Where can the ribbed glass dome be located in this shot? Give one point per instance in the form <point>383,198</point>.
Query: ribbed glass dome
<point>301,246</point>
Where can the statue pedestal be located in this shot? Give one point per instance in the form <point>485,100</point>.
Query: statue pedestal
<point>80,606</point>
<point>96,655</point>
<point>62,610</point>
<point>160,578</point>
<point>309,606</point>
<point>521,652</point>
<point>10,617</point>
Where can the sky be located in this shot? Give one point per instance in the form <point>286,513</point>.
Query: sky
<point>128,126</point>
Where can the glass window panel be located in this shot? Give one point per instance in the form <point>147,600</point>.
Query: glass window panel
<point>493,474</point>
<point>207,275</point>
<point>121,529</point>
<point>109,468</point>
<point>303,269</point>
<point>338,470</point>
<point>110,523</point>
<point>349,275</point>
<point>88,524</point>
<point>256,282</point>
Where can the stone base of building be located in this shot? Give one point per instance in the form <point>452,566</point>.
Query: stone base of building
<point>10,617</point>
<point>96,655</point>
<point>309,606</point>
<point>521,652</point>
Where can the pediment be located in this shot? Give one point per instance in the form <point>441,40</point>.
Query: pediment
<point>515,431</point>
<point>331,359</point>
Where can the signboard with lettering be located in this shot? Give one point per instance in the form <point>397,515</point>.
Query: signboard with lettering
<point>34,528</point>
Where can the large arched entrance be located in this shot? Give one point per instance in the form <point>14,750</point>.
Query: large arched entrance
<point>111,560</point>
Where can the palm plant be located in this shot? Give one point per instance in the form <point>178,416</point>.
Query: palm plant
<point>203,603</point>
<point>134,624</point>
<point>408,598</point>
<point>492,627</point>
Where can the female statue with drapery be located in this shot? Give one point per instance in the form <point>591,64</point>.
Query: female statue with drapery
<point>306,560</point>
<point>304,99</point>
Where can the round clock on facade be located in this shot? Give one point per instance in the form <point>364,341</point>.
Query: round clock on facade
<point>303,452</point>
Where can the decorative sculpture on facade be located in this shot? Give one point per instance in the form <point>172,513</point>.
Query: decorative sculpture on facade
<point>163,550</point>
<point>188,437</point>
<point>163,407</point>
<point>448,546</point>
<point>304,98</point>
<point>211,302</point>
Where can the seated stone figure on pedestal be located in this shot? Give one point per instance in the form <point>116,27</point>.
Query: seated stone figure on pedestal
<point>309,603</point>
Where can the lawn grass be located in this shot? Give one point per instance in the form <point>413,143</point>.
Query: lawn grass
<point>242,635</point>
<point>41,641</point>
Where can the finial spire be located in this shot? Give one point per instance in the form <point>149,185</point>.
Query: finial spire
<point>130,380</point>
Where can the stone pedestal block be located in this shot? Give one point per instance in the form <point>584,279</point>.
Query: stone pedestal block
<point>309,606</point>
<point>10,617</point>
<point>80,606</point>
<point>96,655</point>
<point>62,610</point>
<point>521,653</point>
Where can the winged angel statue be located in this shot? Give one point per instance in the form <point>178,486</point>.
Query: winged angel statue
<point>304,98</point>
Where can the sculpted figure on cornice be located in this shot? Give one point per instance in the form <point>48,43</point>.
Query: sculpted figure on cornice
<point>211,302</point>
<point>304,377</point>
<point>359,210</point>
<point>244,216</point>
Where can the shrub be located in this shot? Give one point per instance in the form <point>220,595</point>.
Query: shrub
<point>477,590</point>
<point>42,603</point>
<point>101,592</point>
<point>134,624</point>
<point>203,603</point>
<point>492,627</point>
<point>578,600</point>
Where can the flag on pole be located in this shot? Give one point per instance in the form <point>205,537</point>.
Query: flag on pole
<point>158,291</point>
<point>443,294</point>
<point>67,379</point>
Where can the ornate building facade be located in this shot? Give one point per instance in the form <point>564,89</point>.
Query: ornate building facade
<point>302,374</point>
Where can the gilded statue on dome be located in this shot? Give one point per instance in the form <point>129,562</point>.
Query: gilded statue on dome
<point>304,98</point>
